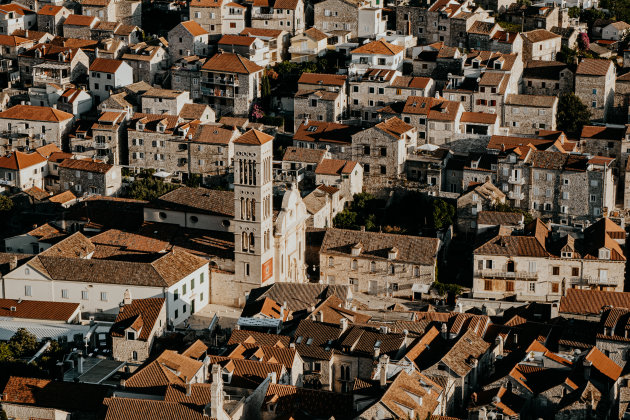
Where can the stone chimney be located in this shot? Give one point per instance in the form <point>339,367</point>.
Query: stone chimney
<point>320,316</point>
<point>343,322</point>
<point>127,297</point>
<point>188,386</point>
<point>13,263</point>
<point>216,394</point>
<point>444,331</point>
<point>383,363</point>
<point>587,364</point>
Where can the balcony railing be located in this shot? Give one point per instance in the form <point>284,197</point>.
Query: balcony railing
<point>221,81</point>
<point>305,51</point>
<point>516,181</point>
<point>266,16</point>
<point>101,145</point>
<point>510,275</point>
<point>584,280</point>
<point>7,182</point>
<point>516,196</point>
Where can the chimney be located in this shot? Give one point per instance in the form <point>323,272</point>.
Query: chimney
<point>587,368</point>
<point>13,263</point>
<point>127,297</point>
<point>362,228</point>
<point>444,330</point>
<point>96,52</point>
<point>272,376</point>
<point>188,386</point>
<point>383,363</point>
<point>320,316</point>
<point>344,324</point>
<point>216,393</point>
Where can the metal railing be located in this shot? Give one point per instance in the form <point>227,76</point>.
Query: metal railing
<point>497,274</point>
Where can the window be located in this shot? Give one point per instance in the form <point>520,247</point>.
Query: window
<point>28,291</point>
<point>354,265</point>
<point>331,262</point>
<point>532,287</point>
<point>134,355</point>
<point>603,274</point>
<point>555,287</point>
<point>104,296</point>
<point>487,285</point>
<point>201,278</point>
<point>184,289</point>
<point>64,293</point>
<point>176,313</point>
<point>131,335</point>
<point>373,266</point>
<point>509,286</point>
<point>366,150</point>
<point>555,271</point>
<point>175,294</point>
<point>392,269</point>
<point>192,284</point>
<point>84,295</point>
<point>383,170</point>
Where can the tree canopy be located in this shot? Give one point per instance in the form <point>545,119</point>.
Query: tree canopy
<point>573,114</point>
<point>6,204</point>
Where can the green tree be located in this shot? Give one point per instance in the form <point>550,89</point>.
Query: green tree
<point>6,354</point>
<point>346,219</point>
<point>573,114</point>
<point>443,214</point>
<point>148,188</point>
<point>589,16</point>
<point>574,12</point>
<point>3,415</point>
<point>23,343</point>
<point>6,204</point>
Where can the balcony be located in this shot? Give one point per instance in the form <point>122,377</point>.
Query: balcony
<point>8,182</point>
<point>6,66</point>
<point>231,81</point>
<point>219,93</point>
<point>588,280</point>
<point>46,73</point>
<point>303,51</point>
<point>100,145</point>
<point>508,275</point>
<point>516,196</point>
<point>516,181</point>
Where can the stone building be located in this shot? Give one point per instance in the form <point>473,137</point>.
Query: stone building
<point>308,45</point>
<point>186,75</point>
<point>167,143</point>
<point>547,78</point>
<point>595,86</point>
<point>79,26</point>
<point>540,44</point>
<point>329,82</point>
<point>164,101</point>
<point>610,141</point>
<point>541,264</point>
<point>621,110</point>
<point>103,140</point>
<point>437,120</point>
<point>537,16</point>
<point>379,55</point>
<point>89,177</point>
<point>346,175</point>
<point>320,105</point>
<point>15,17</point>
<point>230,83</point>
<point>527,114</point>
<point>382,150</point>
<point>186,39</point>
<point>252,48</point>
<point>39,124</point>
<point>138,323</point>
<point>50,63</point>
<point>149,62</point>
<point>477,198</point>
<point>284,15</point>
<point>338,15</point>
<point>107,75</point>
<point>275,41</point>
<point>298,165</point>
<point>50,19</point>
<point>209,14</point>
<point>378,263</point>
<point>444,21</point>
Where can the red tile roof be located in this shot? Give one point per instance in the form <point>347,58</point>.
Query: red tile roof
<point>593,67</point>
<point>140,313</point>
<point>591,302</point>
<point>254,137</point>
<point>87,165</point>
<point>50,10</point>
<point>323,79</point>
<point>19,160</point>
<point>105,65</point>
<point>194,28</point>
<point>335,167</point>
<point>237,40</point>
<point>231,63</point>
<point>35,113</point>
<point>379,47</point>
<point>40,310</point>
<point>79,20</point>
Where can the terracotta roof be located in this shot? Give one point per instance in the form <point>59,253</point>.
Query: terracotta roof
<point>593,67</point>
<point>540,69</point>
<point>193,111</point>
<point>170,368</point>
<point>86,165</point>
<point>376,245</point>
<point>247,373</point>
<point>37,193</point>
<point>458,357</point>
<point>433,108</point>
<point>482,28</point>
<point>539,101</point>
<point>620,25</point>
<point>254,137</point>
<point>35,113</point>
<point>49,10</point>
<point>18,160</point>
<point>68,396</point>
<point>591,302</point>
<point>213,134</point>
<point>413,391</point>
<point>539,35</point>
<point>322,131</point>
<point>335,167</point>
<point>79,20</point>
<point>258,338</point>
<point>411,82</point>
<point>231,63</point>
<point>105,65</point>
<point>197,199</point>
<point>379,47</point>
<point>12,41</point>
<point>603,132</point>
<point>196,350</point>
<point>323,79</point>
<point>290,400</point>
<point>63,197</point>
<point>395,127</point>
<point>478,117</point>
<point>262,32</point>
<point>237,40</point>
<point>315,34</point>
<point>141,315</point>
<point>300,154</point>
<point>38,310</point>
<point>137,409</point>
<point>194,28</point>
<point>497,218</point>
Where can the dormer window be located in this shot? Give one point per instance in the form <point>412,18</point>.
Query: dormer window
<point>356,249</point>
<point>604,254</point>
<point>131,335</point>
<point>498,65</point>
<point>161,128</point>
<point>512,158</point>
<point>140,127</point>
<point>62,57</point>
<point>567,254</point>
<point>393,253</point>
